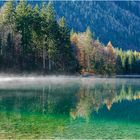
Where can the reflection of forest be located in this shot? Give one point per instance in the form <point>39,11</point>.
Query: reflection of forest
<point>56,99</point>
<point>92,98</point>
<point>79,100</point>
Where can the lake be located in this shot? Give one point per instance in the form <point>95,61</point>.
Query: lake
<point>69,107</point>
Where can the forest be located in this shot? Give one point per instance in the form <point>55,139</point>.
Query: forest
<point>117,21</point>
<point>33,39</point>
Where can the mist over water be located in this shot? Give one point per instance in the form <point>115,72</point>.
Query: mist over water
<point>69,107</point>
<point>14,81</point>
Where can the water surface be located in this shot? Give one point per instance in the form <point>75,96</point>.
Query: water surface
<point>69,107</point>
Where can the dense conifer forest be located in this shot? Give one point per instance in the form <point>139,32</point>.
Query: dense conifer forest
<point>34,39</point>
<point>117,21</point>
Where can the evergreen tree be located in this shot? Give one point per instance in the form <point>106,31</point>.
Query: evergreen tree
<point>52,35</point>
<point>23,26</point>
<point>67,57</point>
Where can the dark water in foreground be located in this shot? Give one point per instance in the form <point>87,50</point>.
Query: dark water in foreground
<point>65,107</point>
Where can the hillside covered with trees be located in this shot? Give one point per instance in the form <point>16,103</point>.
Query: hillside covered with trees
<point>117,21</point>
<point>33,38</point>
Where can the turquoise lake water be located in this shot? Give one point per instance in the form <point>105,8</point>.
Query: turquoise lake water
<point>69,107</point>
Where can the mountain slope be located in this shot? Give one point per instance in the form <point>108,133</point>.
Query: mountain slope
<point>118,21</point>
<point>115,21</point>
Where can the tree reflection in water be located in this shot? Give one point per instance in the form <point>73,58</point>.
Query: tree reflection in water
<point>77,98</point>
<point>91,98</point>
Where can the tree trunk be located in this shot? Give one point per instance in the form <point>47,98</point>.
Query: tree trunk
<point>88,62</point>
<point>44,58</point>
<point>50,67</point>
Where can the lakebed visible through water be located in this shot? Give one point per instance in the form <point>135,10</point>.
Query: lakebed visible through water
<point>69,107</point>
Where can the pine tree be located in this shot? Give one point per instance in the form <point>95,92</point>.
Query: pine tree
<point>52,35</point>
<point>9,50</point>
<point>67,60</point>
<point>8,13</point>
<point>130,60</point>
<point>7,24</point>
<point>23,26</point>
